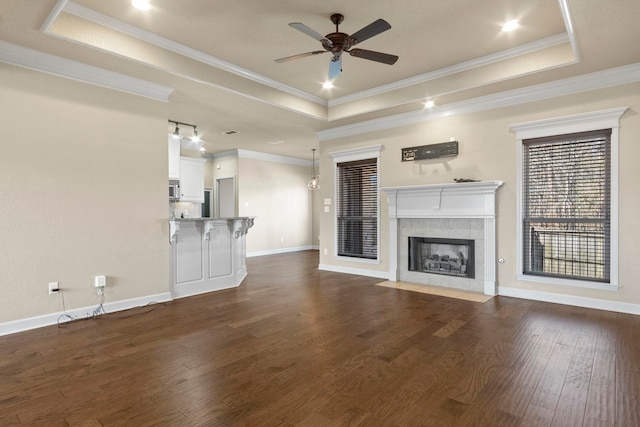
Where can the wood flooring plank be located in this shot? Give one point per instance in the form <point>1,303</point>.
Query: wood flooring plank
<point>536,416</point>
<point>550,385</point>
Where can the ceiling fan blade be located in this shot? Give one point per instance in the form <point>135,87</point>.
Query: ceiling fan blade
<point>335,67</point>
<point>385,58</point>
<point>300,55</point>
<point>369,31</point>
<point>310,32</point>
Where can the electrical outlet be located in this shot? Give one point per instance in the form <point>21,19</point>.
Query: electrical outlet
<point>100,281</point>
<point>54,288</point>
<point>326,251</point>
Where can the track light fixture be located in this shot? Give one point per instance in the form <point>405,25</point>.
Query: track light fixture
<point>176,133</point>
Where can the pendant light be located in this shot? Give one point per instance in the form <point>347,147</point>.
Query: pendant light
<point>314,184</point>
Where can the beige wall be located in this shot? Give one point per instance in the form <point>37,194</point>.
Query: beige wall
<point>488,152</point>
<point>83,174</point>
<point>277,195</point>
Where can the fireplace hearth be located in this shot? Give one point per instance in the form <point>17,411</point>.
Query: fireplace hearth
<point>451,257</point>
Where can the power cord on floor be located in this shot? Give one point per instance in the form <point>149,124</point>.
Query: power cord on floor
<point>99,311</point>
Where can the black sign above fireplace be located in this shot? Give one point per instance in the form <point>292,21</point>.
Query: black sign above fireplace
<point>451,257</point>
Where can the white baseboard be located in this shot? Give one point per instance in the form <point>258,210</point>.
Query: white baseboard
<point>80,313</point>
<point>599,304</point>
<point>359,271</point>
<point>280,251</point>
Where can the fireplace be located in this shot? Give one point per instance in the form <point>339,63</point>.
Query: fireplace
<point>445,211</point>
<point>451,257</point>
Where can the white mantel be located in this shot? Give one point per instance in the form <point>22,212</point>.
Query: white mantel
<point>457,200</point>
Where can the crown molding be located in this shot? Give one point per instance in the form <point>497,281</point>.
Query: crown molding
<point>568,24</point>
<point>133,31</point>
<point>456,68</point>
<point>587,82</point>
<point>256,155</point>
<point>74,70</point>
<point>162,42</point>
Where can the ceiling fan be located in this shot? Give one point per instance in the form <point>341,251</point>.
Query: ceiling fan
<point>338,42</point>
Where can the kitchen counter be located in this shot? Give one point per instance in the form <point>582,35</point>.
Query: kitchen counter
<point>207,254</point>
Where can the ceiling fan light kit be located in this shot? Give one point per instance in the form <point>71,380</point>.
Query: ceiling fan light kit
<point>337,43</point>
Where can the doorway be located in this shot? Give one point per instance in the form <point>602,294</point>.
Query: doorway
<point>225,197</point>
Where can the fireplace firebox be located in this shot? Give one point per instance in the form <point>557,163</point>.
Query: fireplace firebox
<point>451,257</point>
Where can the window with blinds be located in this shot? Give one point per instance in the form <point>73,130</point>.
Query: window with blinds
<point>357,209</point>
<point>567,206</point>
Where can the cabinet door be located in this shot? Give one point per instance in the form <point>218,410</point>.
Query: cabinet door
<point>174,158</point>
<point>191,180</point>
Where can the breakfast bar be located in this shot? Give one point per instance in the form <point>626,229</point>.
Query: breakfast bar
<point>207,254</point>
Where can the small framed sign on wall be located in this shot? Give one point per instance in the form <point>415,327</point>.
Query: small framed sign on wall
<point>432,151</point>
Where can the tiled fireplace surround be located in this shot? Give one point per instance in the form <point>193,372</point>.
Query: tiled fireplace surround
<point>456,211</point>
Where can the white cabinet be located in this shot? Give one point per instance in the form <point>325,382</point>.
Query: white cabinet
<point>191,180</point>
<point>174,158</point>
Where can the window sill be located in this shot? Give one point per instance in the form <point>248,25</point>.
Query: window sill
<point>358,260</point>
<point>568,282</point>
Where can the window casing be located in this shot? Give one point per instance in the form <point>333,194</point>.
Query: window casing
<point>564,236</point>
<point>356,213</point>
<point>566,206</point>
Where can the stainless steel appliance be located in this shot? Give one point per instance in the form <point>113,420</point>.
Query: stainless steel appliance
<point>174,190</point>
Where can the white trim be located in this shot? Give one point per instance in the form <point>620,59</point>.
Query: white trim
<point>279,251</point>
<point>584,122</point>
<point>22,325</point>
<point>568,24</point>
<point>357,271</point>
<point>594,120</point>
<point>451,200</point>
<point>359,153</point>
<point>221,154</point>
<point>565,282</point>
<point>454,69</point>
<point>350,155</point>
<point>248,154</point>
<point>74,70</point>
<point>357,260</point>
<point>599,304</point>
<point>584,83</point>
<point>133,31</point>
<point>57,9</point>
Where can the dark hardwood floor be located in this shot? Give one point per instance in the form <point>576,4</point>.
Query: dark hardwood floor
<point>297,347</point>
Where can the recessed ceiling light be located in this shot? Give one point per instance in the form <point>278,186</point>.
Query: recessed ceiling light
<point>429,103</point>
<point>276,142</point>
<point>141,4</point>
<point>327,85</point>
<point>510,26</point>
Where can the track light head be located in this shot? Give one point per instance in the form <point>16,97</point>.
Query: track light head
<point>195,137</point>
<point>176,133</point>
